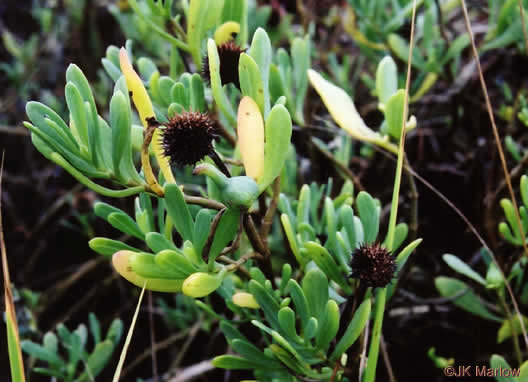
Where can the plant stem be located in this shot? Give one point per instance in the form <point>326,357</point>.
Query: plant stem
<point>259,246</point>
<point>370,371</point>
<point>270,213</point>
<point>210,237</point>
<point>204,202</point>
<point>381,296</point>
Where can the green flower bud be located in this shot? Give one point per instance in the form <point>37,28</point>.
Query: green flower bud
<point>239,192</point>
<point>245,300</point>
<point>201,284</point>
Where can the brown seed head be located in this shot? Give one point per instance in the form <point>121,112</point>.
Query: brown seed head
<point>188,137</point>
<point>373,265</point>
<point>229,55</point>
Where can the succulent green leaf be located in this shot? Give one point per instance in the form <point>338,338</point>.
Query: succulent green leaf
<point>329,325</point>
<point>300,301</point>
<point>40,352</point>
<point>315,287</point>
<point>325,262</point>
<point>197,94</point>
<point>107,247</point>
<point>253,354</point>
<point>461,267</point>
<point>260,51</point>
<point>233,362</point>
<point>97,360</point>
<point>286,318</point>
<point>157,242</point>
<point>125,224</point>
<point>121,141</point>
<point>79,122</point>
<point>179,211</point>
<point>394,114</point>
<point>251,83</point>
<point>225,232</point>
<point>269,306</point>
<point>144,265</point>
<point>353,330</point>
<point>175,262</point>
<point>369,213</point>
<point>468,300</point>
<point>278,136</point>
<point>386,79</point>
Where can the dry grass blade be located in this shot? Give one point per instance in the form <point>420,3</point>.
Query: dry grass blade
<point>525,33</point>
<point>122,357</point>
<point>504,166</point>
<point>13,339</point>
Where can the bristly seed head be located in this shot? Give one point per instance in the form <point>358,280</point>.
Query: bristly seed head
<point>188,137</point>
<point>373,265</point>
<point>229,56</point>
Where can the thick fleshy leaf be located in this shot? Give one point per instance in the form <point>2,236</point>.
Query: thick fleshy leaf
<point>225,233</point>
<point>300,301</point>
<point>461,267</point>
<point>278,137</point>
<point>107,247</point>
<point>250,132</point>
<point>175,262</point>
<point>325,262</point>
<point>261,52</point>
<point>353,330</point>
<point>78,120</point>
<point>329,325</point>
<point>144,265</point>
<point>369,213</point>
<point>315,287</point>
<point>233,362</point>
<point>394,114</point>
<point>468,300</point>
<point>179,211</point>
<point>386,79</point>
<point>201,284</point>
<point>251,83</point>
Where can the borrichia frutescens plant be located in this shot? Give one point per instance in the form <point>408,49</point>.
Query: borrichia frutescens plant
<point>236,130</point>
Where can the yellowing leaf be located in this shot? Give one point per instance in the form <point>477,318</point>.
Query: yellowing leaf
<point>13,340</point>
<point>344,113</point>
<point>144,107</point>
<point>250,130</point>
<point>245,300</point>
<point>225,32</point>
<point>120,261</point>
<point>135,86</point>
<point>342,108</point>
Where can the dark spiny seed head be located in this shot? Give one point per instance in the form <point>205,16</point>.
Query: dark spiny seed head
<point>229,55</point>
<point>373,265</point>
<point>188,137</point>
